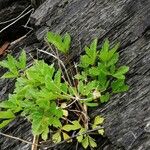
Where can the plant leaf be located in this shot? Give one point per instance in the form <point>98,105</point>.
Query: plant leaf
<point>5,123</point>
<point>120,72</point>
<point>22,60</point>
<point>85,142</point>
<point>6,114</point>
<point>98,120</point>
<point>92,143</point>
<point>119,86</point>
<point>66,136</point>
<point>104,98</point>
<point>66,41</point>
<point>56,137</point>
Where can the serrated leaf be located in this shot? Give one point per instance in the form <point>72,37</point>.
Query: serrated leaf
<point>92,143</point>
<point>62,44</point>
<point>119,86</point>
<point>85,142</point>
<point>37,122</point>
<point>5,123</point>
<point>82,76</point>
<point>45,133</point>
<point>81,87</point>
<point>80,137</point>
<point>120,72</point>
<point>105,46</point>
<point>56,40</point>
<point>85,61</point>
<point>75,126</point>
<point>123,70</point>
<point>6,114</point>
<point>22,60</point>
<point>56,137</point>
<point>109,56</point>
<point>103,82</point>
<point>8,75</point>
<point>90,57</point>
<point>64,87</point>
<point>65,113</point>
<point>104,98</point>
<point>67,128</point>
<point>98,120</point>
<point>104,54</point>
<point>101,131</point>
<point>57,78</point>
<point>66,136</point>
<point>12,64</point>
<point>66,41</point>
<point>56,122</point>
<point>94,71</point>
<point>7,104</point>
<point>113,60</point>
<point>4,64</point>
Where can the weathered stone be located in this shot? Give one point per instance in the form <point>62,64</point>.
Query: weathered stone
<point>127,122</point>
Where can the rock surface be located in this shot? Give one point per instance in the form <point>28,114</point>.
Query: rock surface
<point>127,115</point>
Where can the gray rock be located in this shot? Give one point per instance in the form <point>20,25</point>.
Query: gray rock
<point>127,117</point>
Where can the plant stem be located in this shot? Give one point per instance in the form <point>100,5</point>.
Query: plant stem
<point>85,117</point>
<point>35,142</point>
<point>19,139</point>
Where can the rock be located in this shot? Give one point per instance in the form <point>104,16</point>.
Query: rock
<point>127,116</point>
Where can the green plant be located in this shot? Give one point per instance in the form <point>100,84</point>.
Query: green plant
<point>48,100</point>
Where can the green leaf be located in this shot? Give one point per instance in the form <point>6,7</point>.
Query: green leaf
<point>103,82</point>
<point>62,44</point>
<point>113,60</point>
<point>85,142</point>
<point>12,64</point>
<point>98,120</point>
<point>92,104</point>
<point>81,87</point>
<point>4,64</point>
<point>104,54</point>
<point>66,136</point>
<point>67,128</point>
<point>90,57</point>
<point>105,46</point>
<point>112,52</point>
<point>6,114</point>
<point>56,137</point>
<point>94,71</point>
<point>110,57</point>
<point>104,98</point>
<point>45,133</point>
<point>56,122</point>
<point>92,143</point>
<point>101,131</point>
<point>8,75</point>
<point>82,76</point>
<point>22,60</point>
<point>57,78</point>
<point>75,126</point>
<point>66,41</point>
<point>119,86</point>
<point>80,137</point>
<point>37,117</point>
<point>5,123</point>
<point>120,72</point>
<point>85,61</point>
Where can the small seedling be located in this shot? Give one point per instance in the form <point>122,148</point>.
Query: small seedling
<point>46,98</point>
